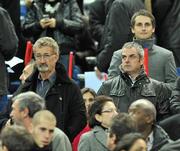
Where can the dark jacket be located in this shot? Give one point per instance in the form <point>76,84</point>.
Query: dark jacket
<point>64,99</point>
<point>173,146</point>
<point>117,29</point>
<point>8,47</point>
<point>160,138</point>
<point>124,92</point>
<point>167,14</point>
<point>68,24</point>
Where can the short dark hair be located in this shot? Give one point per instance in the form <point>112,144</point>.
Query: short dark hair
<point>127,141</point>
<point>16,138</point>
<point>85,90</point>
<point>30,100</point>
<point>121,125</point>
<point>143,12</point>
<point>96,108</point>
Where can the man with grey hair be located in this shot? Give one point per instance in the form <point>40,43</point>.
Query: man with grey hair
<point>24,107</point>
<point>144,114</point>
<point>133,83</point>
<point>50,80</point>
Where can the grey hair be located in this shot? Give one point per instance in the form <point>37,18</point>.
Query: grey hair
<point>138,47</point>
<point>30,100</point>
<point>47,41</point>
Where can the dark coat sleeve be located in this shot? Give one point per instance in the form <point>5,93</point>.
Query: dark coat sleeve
<point>8,38</point>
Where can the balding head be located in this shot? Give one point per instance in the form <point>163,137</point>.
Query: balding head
<point>146,106</point>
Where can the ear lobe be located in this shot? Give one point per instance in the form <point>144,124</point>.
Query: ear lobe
<point>98,117</point>
<point>132,30</point>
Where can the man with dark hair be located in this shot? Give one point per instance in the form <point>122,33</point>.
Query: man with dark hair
<point>16,138</point>
<point>133,83</point>
<point>144,113</point>
<point>50,80</point>
<point>121,124</point>
<point>161,64</point>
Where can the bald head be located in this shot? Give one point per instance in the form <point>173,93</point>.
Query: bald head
<point>146,106</point>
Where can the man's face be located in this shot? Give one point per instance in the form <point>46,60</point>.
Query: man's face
<point>88,99</point>
<point>131,61</point>
<point>138,114</point>
<point>43,132</point>
<point>143,28</point>
<point>46,59</point>
<point>16,114</point>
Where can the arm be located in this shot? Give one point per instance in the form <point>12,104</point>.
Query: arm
<point>84,144</point>
<point>8,38</point>
<point>170,71</point>
<point>70,24</point>
<point>113,69</point>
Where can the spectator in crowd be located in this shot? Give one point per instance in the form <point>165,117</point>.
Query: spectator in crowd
<point>161,62</point>
<point>43,127</point>
<point>24,106</point>
<point>132,142</point>
<point>27,71</point>
<point>62,95</point>
<point>144,113</point>
<point>16,138</point>
<point>133,83</point>
<point>116,32</point>
<point>172,124</point>
<point>8,48</point>
<point>60,20</point>
<point>101,113</point>
<point>88,97</point>
<point>121,124</point>
<point>167,14</point>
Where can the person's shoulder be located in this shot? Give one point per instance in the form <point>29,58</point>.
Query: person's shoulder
<point>162,50</point>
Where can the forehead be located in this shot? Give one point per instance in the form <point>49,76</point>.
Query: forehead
<point>129,51</point>
<point>15,103</point>
<point>44,49</point>
<point>108,104</point>
<point>142,19</point>
<point>44,123</point>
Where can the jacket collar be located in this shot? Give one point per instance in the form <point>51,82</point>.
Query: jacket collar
<point>100,135</point>
<point>146,43</point>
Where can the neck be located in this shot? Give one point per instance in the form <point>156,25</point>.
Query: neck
<point>46,75</point>
<point>28,124</point>
<point>147,131</point>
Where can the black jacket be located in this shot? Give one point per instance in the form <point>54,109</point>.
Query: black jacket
<point>160,138</point>
<point>117,29</point>
<point>8,47</point>
<point>64,99</point>
<point>124,92</point>
<point>68,24</point>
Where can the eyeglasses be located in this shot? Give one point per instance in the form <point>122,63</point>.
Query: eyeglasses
<point>44,56</point>
<point>110,111</point>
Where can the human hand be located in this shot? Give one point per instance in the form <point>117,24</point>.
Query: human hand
<point>45,23</point>
<point>52,23</point>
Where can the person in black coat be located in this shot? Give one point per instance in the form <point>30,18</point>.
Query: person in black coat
<point>62,95</point>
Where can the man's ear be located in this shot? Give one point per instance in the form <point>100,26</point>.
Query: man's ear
<point>4,148</point>
<point>132,30</point>
<point>25,112</point>
<point>149,119</point>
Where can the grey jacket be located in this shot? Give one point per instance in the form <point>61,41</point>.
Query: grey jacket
<point>94,140</point>
<point>60,141</point>
<point>161,65</point>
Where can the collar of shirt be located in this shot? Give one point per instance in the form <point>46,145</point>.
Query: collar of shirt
<point>149,141</point>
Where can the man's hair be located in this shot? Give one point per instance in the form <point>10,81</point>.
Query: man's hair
<point>30,100</point>
<point>43,115</point>
<point>127,141</point>
<point>143,12</point>
<point>96,108</point>
<point>129,45</point>
<point>16,138</point>
<point>85,90</point>
<point>122,124</point>
<point>47,41</point>
<point>147,106</point>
